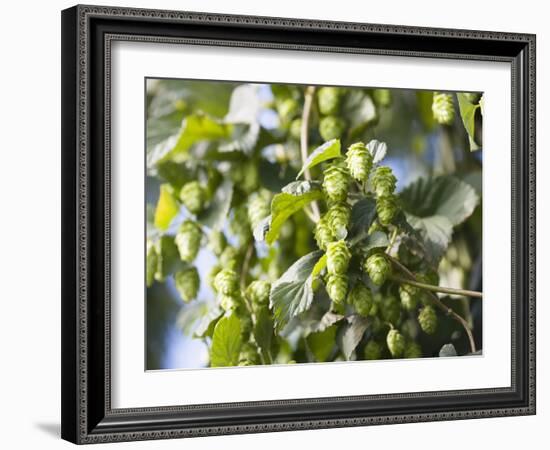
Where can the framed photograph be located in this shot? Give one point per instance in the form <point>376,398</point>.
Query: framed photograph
<point>281,224</point>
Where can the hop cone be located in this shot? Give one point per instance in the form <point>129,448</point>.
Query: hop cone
<point>228,302</point>
<point>338,256</point>
<point>427,318</point>
<point>409,296</point>
<point>386,208</point>
<point>212,275</point>
<point>395,342</point>
<point>337,218</point>
<point>258,292</point>
<point>258,208</point>
<point>187,283</point>
<point>192,195</point>
<point>373,350</point>
<point>382,97</point>
<point>331,127</point>
<point>152,262</point>
<point>442,108</point>
<point>323,233</point>
<point>412,350</point>
<point>378,268</point>
<point>361,298</point>
<point>217,242</point>
<point>390,309</point>
<point>336,183</point>
<point>227,282</point>
<point>383,181</point>
<point>230,258</point>
<point>249,355</point>
<point>337,288</point>
<point>359,161</point>
<point>329,100</point>
<point>188,240</point>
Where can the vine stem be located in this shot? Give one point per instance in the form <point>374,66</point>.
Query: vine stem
<point>439,303</point>
<point>315,213</point>
<point>431,287</point>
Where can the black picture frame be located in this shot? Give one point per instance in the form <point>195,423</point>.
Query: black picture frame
<point>87,33</point>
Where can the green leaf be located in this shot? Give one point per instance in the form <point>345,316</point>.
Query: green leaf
<point>352,333</point>
<point>294,197</point>
<point>316,325</point>
<point>275,176</point>
<point>436,233</point>
<point>263,333</point>
<point>359,110</point>
<point>167,207</point>
<point>321,344</point>
<point>468,113</point>
<point>378,150</point>
<point>377,239</point>
<point>190,315</point>
<point>329,150</point>
<point>217,211</point>
<point>363,213</point>
<point>292,294</point>
<point>226,342</point>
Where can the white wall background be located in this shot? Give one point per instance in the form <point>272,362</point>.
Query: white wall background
<point>30,224</point>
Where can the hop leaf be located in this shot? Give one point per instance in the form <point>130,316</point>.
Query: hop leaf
<point>361,298</point>
<point>338,256</point>
<point>378,268</point>
<point>338,217</point>
<point>331,127</point>
<point>336,183</point>
<point>412,350</point>
<point>258,208</point>
<point>442,108</point>
<point>386,208</point>
<point>427,318</point>
<point>359,161</point>
<point>373,350</point>
<point>217,242</point>
<point>323,233</point>
<point>383,181</point>
<point>395,342</point>
<point>192,195</point>
<point>258,292</point>
<point>328,99</point>
<point>409,296</point>
<point>188,240</point>
<point>187,283</point>
<point>227,282</point>
<point>337,288</point>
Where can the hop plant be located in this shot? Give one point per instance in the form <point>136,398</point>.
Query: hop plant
<point>336,183</point>
<point>390,309</point>
<point>328,99</point>
<point>230,258</point>
<point>442,108</point>
<point>383,181</point>
<point>338,256</point>
<point>382,97</point>
<point>386,208</point>
<point>249,355</point>
<point>373,350</point>
<point>187,283</point>
<point>360,297</point>
<point>331,127</point>
<point>212,275</point>
<point>412,350</point>
<point>227,282</point>
<point>337,288</point>
<point>258,208</point>
<point>378,268</point>
<point>188,240</point>
<point>427,318</point>
<point>395,342</point>
<point>217,242</point>
<point>323,233</point>
<point>228,302</point>
<point>409,296</point>
<point>337,218</point>
<point>359,161</point>
<point>192,195</point>
<point>258,292</point>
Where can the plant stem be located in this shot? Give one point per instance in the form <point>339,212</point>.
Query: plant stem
<point>308,102</point>
<point>439,304</point>
<point>392,240</point>
<point>431,287</point>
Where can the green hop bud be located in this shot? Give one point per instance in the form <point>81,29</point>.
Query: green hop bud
<point>395,342</point>
<point>412,350</point>
<point>383,181</point>
<point>230,258</point>
<point>361,298</point>
<point>328,99</point>
<point>390,309</point>
<point>427,318</point>
<point>386,208</point>
<point>187,283</point>
<point>336,183</point>
<point>331,127</point>
<point>227,282</point>
<point>217,242</point>
<point>337,288</point>
<point>295,129</point>
<point>337,218</point>
<point>373,350</point>
<point>259,207</point>
<point>409,296</point>
<point>323,233</point>
<point>212,275</point>
<point>442,108</point>
<point>188,240</point>
<point>228,302</point>
<point>239,224</point>
<point>359,161</point>
<point>382,97</point>
<point>338,256</point>
<point>287,109</point>
<point>249,355</point>
<point>472,97</point>
<point>193,196</point>
<point>378,268</point>
<point>152,262</point>
<point>258,292</point>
